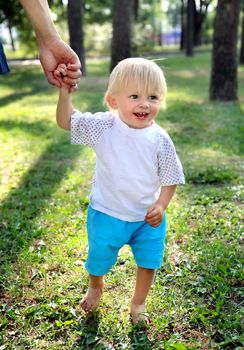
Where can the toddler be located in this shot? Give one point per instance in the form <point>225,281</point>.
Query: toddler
<point>137,170</point>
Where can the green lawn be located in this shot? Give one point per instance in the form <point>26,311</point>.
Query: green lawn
<point>197,298</point>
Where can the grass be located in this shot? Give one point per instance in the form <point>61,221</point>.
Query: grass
<point>197,298</point>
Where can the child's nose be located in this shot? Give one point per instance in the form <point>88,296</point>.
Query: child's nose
<point>144,104</point>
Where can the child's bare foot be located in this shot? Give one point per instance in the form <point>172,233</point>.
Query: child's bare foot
<point>91,299</point>
<point>138,313</point>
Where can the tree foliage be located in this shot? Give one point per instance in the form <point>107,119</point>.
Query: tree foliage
<point>10,14</point>
<point>97,11</point>
<point>9,11</point>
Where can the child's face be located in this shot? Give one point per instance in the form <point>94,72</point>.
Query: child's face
<point>135,108</point>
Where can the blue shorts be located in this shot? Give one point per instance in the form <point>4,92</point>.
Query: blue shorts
<point>106,235</point>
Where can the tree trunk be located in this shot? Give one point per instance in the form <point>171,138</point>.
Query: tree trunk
<point>242,39</point>
<point>200,15</point>
<point>190,27</point>
<point>198,23</point>
<point>122,23</point>
<point>75,24</point>
<point>223,85</point>
<point>136,4</point>
<point>183,26</point>
<point>11,36</point>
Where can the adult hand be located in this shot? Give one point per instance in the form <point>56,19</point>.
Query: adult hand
<point>54,52</point>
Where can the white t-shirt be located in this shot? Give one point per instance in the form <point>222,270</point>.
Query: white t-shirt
<point>131,164</point>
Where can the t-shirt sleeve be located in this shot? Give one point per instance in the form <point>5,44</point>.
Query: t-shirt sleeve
<point>170,170</point>
<point>87,128</point>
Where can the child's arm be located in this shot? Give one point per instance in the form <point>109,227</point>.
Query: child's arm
<point>64,107</point>
<point>155,213</point>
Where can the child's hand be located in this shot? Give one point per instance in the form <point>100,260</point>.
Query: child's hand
<point>61,70</point>
<point>60,74</point>
<point>155,215</point>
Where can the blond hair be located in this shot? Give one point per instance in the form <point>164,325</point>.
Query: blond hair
<point>144,73</point>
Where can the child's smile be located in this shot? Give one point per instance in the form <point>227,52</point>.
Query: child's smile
<point>142,116</point>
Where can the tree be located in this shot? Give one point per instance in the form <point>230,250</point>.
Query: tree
<point>183,25</point>
<point>190,27</point>
<point>136,8</point>
<point>223,85</point>
<point>9,13</point>
<point>122,23</point>
<point>75,24</point>
<point>200,13</point>
<point>14,16</point>
<point>242,36</point>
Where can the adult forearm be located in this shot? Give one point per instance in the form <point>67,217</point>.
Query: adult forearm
<point>39,13</point>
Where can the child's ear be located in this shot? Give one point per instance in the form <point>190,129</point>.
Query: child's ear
<point>111,101</point>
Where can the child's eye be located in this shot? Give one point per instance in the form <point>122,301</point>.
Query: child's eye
<point>153,98</point>
<point>133,97</point>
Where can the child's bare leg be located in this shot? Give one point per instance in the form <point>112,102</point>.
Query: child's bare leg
<point>93,294</point>
<point>144,281</point>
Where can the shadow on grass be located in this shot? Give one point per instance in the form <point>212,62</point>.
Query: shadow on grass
<point>23,204</point>
<point>23,82</point>
<point>138,338</point>
<point>92,338</point>
<point>37,128</point>
<point>88,329</point>
<point>17,96</point>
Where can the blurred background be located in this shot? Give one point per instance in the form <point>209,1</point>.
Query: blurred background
<point>120,29</point>
<point>89,26</point>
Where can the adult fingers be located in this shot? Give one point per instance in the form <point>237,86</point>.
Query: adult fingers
<point>73,74</point>
<point>52,79</point>
<point>74,65</point>
<point>70,81</point>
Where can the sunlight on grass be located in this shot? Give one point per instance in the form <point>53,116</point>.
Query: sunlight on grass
<point>187,74</point>
<point>176,96</point>
<point>209,155</point>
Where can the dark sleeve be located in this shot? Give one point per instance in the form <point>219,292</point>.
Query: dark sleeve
<point>4,68</point>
